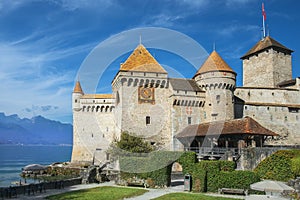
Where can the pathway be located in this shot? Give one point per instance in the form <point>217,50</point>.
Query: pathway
<point>153,193</point>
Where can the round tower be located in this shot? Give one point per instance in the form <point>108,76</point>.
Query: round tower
<point>77,93</point>
<point>218,80</point>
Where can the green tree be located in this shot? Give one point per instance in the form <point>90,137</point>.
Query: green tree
<point>131,143</point>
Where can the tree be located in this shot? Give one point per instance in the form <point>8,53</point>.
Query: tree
<point>132,143</point>
<point>129,143</point>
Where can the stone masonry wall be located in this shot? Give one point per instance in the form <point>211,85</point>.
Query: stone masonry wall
<point>275,109</point>
<point>267,69</point>
<point>92,134</point>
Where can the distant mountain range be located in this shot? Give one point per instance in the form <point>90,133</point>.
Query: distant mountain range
<point>37,130</point>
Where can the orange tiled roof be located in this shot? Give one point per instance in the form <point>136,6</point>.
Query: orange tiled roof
<point>214,62</point>
<point>264,44</point>
<point>97,96</point>
<point>77,88</point>
<point>244,126</point>
<point>142,61</point>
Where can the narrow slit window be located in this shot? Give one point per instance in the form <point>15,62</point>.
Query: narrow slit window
<point>218,98</point>
<point>148,120</point>
<point>189,120</point>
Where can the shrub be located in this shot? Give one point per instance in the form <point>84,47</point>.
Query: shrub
<point>227,166</point>
<point>187,161</point>
<point>295,166</point>
<point>278,166</point>
<point>155,167</point>
<point>234,179</point>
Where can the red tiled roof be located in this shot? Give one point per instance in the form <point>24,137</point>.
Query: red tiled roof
<point>214,62</point>
<point>245,125</point>
<point>142,61</point>
<point>77,88</point>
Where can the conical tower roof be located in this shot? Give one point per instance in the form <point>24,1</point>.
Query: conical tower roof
<point>265,44</point>
<point>142,61</point>
<point>77,88</point>
<point>214,62</point>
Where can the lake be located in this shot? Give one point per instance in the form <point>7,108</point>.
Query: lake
<point>14,157</point>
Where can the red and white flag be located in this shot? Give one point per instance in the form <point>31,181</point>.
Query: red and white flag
<point>263,11</point>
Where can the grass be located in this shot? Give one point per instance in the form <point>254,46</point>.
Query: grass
<point>100,193</point>
<point>189,196</point>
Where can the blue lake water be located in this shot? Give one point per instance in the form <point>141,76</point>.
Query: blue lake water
<point>14,158</point>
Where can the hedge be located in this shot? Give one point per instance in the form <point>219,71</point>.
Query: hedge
<point>187,161</point>
<point>154,167</point>
<point>206,175</point>
<point>295,166</point>
<point>278,166</point>
<point>235,179</point>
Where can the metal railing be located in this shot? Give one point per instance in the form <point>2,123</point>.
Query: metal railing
<point>212,151</point>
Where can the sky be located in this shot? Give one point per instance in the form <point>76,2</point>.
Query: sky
<point>43,43</point>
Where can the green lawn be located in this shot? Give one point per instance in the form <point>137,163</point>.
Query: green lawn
<point>100,193</point>
<point>189,196</point>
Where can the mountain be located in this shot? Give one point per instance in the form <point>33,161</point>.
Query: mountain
<point>37,130</point>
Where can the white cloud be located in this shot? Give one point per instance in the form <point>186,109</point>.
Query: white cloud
<point>237,2</point>
<point>195,3</point>
<point>8,5</point>
<point>31,74</point>
<point>163,20</point>
<point>73,5</point>
<point>236,28</point>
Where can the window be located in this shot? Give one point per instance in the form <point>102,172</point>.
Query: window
<point>148,120</point>
<point>218,98</point>
<point>189,120</point>
<point>293,110</point>
<point>75,100</point>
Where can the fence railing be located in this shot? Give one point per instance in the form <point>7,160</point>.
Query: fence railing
<point>212,151</point>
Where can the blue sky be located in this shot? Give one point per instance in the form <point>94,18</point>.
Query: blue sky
<point>44,42</point>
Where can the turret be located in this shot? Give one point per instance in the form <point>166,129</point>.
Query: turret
<point>77,93</point>
<point>218,80</point>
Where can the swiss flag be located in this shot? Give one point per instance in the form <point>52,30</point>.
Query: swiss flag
<point>263,11</point>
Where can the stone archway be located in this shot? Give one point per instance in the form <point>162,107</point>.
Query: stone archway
<point>177,177</point>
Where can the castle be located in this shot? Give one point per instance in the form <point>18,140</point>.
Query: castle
<point>164,110</point>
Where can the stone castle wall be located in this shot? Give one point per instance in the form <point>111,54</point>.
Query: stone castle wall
<point>219,87</point>
<point>267,69</point>
<point>275,109</point>
<point>187,109</point>
<point>134,113</point>
<point>93,130</point>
